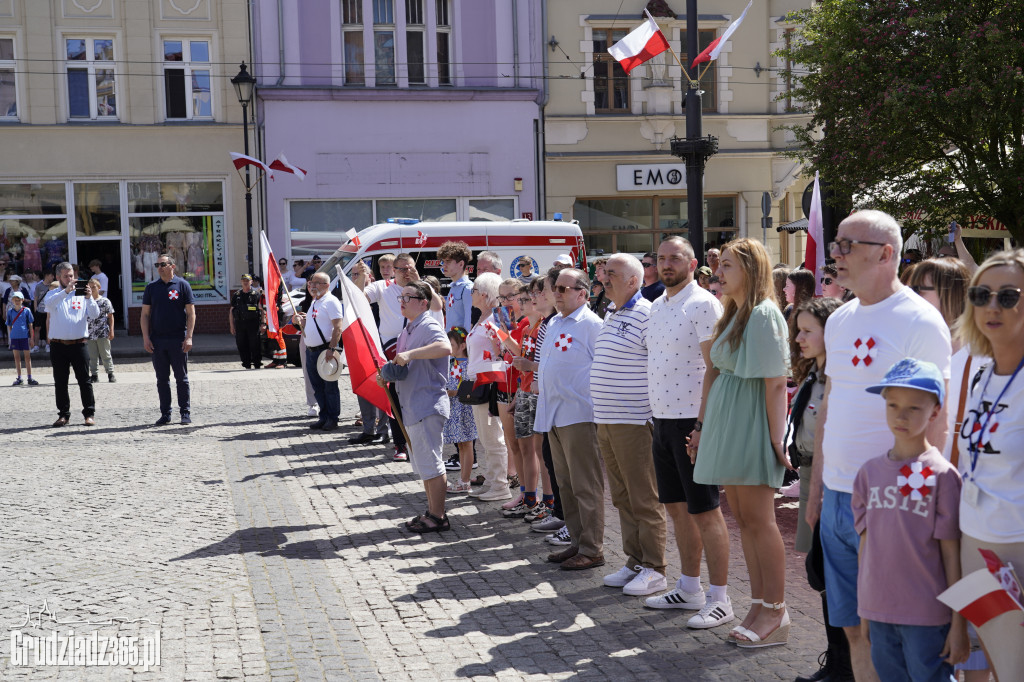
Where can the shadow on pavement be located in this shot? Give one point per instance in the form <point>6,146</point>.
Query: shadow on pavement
<point>265,541</point>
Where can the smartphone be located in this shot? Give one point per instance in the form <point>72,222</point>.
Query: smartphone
<point>503,316</point>
<point>952,232</point>
<point>81,287</point>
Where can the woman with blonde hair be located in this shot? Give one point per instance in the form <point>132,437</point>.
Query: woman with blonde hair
<point>992,442</point>
<point>750,358</point>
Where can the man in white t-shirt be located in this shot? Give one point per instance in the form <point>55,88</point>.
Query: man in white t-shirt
<point>96,267</point>
<point>321,331</point>
<point>886,323</point>
<point>679,373</point>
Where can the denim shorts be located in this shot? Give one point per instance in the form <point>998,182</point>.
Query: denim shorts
<point>840,543</point>
<point>909,652</point>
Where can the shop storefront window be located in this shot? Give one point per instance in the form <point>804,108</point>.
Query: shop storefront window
<point>422,209</point>
<point>492,209</point>
<point>33,225</point>
<point>97,209</point>
<point>639,224</point>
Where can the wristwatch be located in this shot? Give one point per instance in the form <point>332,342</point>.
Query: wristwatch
<point>697,426</point>
<point>333,348</point>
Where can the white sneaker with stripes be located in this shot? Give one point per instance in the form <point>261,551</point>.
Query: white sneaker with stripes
<point>677,599</point>
<point>713,614</point>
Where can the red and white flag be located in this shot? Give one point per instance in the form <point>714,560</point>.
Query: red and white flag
<point>712,51</point>
<point>814,256</point>
<point>979,598</point>
<point>421,238</point>
<point>353,237</point>
<point>281,164</point>
<point>272,282</point>
<point>1003,572</point>
<point>640,45</point>
<point>241,161</point>
<point>363,351</point>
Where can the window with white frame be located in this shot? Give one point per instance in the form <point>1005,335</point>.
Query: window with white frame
<point>426,39</point>
<point>187,91</point>
<point>8,83</point>
<point>352,41</point>
<point>91,68</point>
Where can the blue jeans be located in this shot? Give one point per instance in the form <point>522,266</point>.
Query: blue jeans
<point>168,356</point>
<point>909,652</point>
<point>840,544</point>
<point>328,397</point>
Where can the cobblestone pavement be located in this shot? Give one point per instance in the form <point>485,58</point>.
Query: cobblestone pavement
<point>261,550</point>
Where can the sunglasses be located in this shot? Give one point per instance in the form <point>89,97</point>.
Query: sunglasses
<point>647,265</point>
<point>560,289</point>
<point>162,264</point>
<point>1006,298</point>
<point>917,289</point>
<point>826,280</point>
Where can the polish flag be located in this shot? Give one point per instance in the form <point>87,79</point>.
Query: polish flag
<point>642,43</point>
<point>712,51</point>
<point>272,281</point>
<point>241,161</point>
<point>1003,572</point>
<point>359,338</point>
<point>353,238</point>
<point>979,598</point>
<point>814,256</point>
<point>281,164</point>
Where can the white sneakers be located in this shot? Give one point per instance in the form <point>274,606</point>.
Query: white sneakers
<point>677,599</point>
<point>713,614</point>
<point>311,412</point>
<point>496,493</point>
<point>621,577</point>
<point>637,581</point>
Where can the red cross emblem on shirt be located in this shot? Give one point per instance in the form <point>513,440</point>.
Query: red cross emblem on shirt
<point>563,342</point>
<point>529,346</point>
<point>315,311</point>
<point>456,372</point>
<point>864,351</point>
<point>487,355</point>
<point>76,304</point>
<point>915,480</point>
<point>173,294</point>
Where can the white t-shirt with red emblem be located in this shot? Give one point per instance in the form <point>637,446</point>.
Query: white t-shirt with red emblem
<point>862,342</point>
<point>386,294</point>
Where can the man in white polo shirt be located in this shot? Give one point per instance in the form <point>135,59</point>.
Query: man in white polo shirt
<point>622,412</point>
<point>886,323</point>
<point>679,371</point>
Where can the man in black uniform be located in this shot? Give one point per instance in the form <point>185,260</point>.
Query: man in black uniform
<point>245,321</point>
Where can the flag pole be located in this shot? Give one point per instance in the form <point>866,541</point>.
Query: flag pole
<point>678,61</point>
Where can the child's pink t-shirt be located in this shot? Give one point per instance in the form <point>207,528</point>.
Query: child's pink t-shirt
<point>901,570</point>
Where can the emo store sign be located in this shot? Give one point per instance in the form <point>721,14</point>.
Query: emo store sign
<point>650,176</point>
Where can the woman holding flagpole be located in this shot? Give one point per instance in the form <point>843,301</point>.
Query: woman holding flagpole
<point>992,443</point>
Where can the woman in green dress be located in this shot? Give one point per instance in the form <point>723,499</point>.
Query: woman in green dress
<point>741,445</point>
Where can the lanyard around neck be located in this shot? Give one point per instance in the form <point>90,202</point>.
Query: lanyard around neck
<point>974,445</point>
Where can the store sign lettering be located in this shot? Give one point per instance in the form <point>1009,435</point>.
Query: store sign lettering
<point>645,177</point>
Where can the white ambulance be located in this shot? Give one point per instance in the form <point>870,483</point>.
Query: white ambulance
<point>526,247</point>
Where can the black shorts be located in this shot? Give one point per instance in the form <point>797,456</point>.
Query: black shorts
<point>673,469</point>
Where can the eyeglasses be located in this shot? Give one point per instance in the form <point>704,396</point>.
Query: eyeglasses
<point>162,263</point>
<point>405,298</point>
<point>560,289</point>
<point>525,299</point>
<point>406,269</point>
<point>843,246</point>
<point>917,289</point>
<point>826,280</point>
<point>506,298</point>
<point>646,265</point>
<point>1007,298</point>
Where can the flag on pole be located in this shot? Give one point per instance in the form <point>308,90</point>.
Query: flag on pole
<point>712,51</point>
<point>640,45</point>
<point>421,238</point>
<point>272,282</point>
<point>363,351</point>
<point>979,598</point>
<point>353,237</point>
<point>814,256</point>
<point>281,164</point>
<point>241,161</point>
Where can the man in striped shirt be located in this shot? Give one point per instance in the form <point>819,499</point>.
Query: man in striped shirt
<point>622,412</point>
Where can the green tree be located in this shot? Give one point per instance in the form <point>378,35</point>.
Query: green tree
<point>921,102</point>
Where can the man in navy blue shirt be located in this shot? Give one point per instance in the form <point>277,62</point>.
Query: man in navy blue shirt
<point>168,317</point>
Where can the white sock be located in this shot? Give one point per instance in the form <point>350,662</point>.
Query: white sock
<point>717,593</point>
<point>689,584</point>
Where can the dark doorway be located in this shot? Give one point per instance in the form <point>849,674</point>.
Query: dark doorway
<point>108,252</point>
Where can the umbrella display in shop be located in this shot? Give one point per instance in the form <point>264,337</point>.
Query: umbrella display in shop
<point>58,230</point>
<point>16,228</point>
<point>174,225</point>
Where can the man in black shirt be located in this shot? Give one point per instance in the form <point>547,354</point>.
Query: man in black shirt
<point>245,321</point>
<point>168,318</point>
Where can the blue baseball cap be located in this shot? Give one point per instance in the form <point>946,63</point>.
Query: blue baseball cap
<point>914,373</point>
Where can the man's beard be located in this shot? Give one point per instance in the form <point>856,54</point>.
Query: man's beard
<point>674,279</point>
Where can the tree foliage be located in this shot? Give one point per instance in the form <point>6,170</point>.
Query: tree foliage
<point>921,102</point>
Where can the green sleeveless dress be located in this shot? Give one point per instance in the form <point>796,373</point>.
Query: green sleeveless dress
<point>735,446</point>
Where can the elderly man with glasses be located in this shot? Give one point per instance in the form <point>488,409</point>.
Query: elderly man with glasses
<point>168,318</point>
<point>886,323</point>
<point>565,412</point>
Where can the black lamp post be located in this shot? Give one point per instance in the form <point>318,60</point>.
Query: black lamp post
<point>244,84</point>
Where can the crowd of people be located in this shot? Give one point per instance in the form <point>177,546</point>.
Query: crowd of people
<point>889,400</point>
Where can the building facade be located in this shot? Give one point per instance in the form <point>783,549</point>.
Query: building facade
<point>608,134</point>
<point>116,119</point>
<point>425,109</point>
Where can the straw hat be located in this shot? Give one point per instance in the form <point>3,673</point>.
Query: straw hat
<point>330,370</point>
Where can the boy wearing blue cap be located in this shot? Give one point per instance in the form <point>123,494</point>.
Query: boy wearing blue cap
<point>906,509</point>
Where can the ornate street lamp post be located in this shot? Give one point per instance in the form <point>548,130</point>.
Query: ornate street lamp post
<point>244,84</point>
